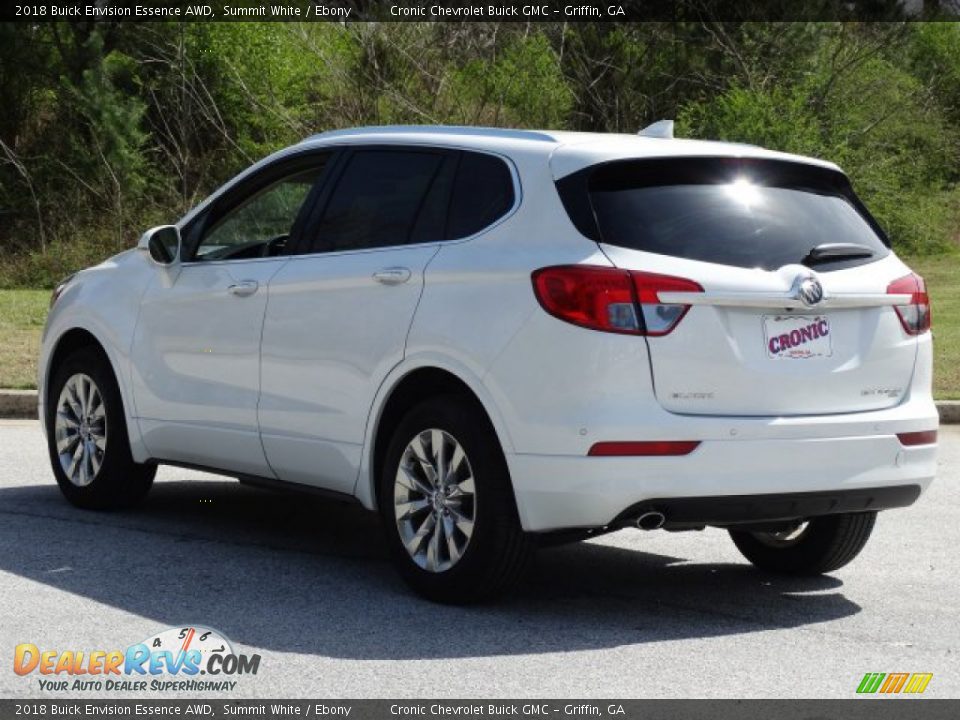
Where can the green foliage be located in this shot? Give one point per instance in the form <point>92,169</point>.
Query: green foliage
<point>521,86</point>
<point>109,128</point>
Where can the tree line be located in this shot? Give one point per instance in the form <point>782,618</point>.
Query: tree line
<point>108,128</point>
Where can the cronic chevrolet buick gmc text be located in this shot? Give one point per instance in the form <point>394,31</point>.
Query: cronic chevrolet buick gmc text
<point>496,337</point>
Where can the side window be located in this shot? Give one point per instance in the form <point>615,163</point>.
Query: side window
<point>261,224</point>
<point>432,220</point>
<point>482,192</point>
<point>377,200</point>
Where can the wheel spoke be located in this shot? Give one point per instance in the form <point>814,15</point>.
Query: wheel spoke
<point>420,453</point>
<point>463,488</point>
<point>463,523</point>
<point>412,507</point>
<point>72,402</point>
<point>95,460</point>
<point>455,462</point>
<point>433,547</point>
<point>67,419</point>
<point>81,392</point>
<point>407,479</point>
<point>91,398</point>
<point>67,442</point>
<point>439,455</point>
<point>88,451</point>
<point>96,409</point>
<point>77,454</point>
<point>449,530</point>
<point>415,542</point>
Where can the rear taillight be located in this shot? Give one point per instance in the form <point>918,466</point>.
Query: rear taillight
<point>915,317</point>
<point>659,318</point>
<point>610,299</point>
<point>924,437</point>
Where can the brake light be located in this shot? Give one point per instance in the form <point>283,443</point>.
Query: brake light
<point>915,317</point>
<point>610,299</point>
<point>647,448</point>
<point>925,437</point>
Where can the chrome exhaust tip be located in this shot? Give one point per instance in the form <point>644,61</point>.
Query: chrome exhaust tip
<point>651,520</point>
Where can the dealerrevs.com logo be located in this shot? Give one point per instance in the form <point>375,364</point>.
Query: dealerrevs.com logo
<point>188,659</point>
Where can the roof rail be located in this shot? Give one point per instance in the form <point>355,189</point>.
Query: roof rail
<point>435,130</point>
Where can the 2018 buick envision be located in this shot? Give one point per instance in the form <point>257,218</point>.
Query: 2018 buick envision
<point>494,335</point>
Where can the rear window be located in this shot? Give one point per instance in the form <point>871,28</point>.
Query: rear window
<point>744,213</point>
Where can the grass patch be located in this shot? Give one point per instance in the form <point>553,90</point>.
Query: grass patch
<point>22,314</point>
<point>942,274</point>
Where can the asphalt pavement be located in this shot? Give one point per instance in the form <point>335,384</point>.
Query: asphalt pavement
<point>305,584</point>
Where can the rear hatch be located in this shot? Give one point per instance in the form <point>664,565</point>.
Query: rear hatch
<point>766,287</point>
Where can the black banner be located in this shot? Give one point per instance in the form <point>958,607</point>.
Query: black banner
<point>477,10</point>
<point>860,709</point>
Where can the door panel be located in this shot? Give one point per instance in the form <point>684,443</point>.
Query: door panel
<point>196,364</point>
<point>332,333</point>
<point>196,350</point>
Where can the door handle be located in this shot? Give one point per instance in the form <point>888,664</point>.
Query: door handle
<point>244,288</point>
<point>392,275</point>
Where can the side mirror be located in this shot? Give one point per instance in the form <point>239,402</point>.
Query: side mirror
<point>162,244</point>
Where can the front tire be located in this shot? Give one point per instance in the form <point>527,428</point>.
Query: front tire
<point>87,436</point>
<point>821,545</point>
<point>447,504</point>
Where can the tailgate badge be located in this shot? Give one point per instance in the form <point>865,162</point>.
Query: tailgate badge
<point>809,291</point>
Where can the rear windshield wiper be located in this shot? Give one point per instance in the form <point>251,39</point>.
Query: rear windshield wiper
<point>836,251</point>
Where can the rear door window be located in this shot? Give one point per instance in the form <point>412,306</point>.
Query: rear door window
<point>377,200</point>
<point>744,213</point>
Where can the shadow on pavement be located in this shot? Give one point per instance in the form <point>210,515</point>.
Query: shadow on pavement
<point>298,574</point>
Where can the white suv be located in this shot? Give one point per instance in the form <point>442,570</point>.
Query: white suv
<point>496,337</point>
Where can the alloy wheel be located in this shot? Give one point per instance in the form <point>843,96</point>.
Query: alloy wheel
<point>80,429</point>
<point>435,502</point>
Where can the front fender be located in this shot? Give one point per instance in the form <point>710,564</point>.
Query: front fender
<point>103,301</point>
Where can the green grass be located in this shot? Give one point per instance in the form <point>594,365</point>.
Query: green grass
<point>22,313</point>
<point>942,274</point>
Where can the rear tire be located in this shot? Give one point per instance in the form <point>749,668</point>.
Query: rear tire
<point>87,436</point>
<point>463,530</point>
<point>827,543</point>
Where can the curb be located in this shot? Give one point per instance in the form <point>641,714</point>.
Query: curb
<point>16,404</point>
<point>949,411</point>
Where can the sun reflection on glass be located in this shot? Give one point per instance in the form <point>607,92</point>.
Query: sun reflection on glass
<point>744,192</point>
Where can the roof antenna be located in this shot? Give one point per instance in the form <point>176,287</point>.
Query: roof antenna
<point>659,129</point>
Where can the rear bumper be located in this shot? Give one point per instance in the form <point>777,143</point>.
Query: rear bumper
<point>739,509</point>
<point>723,481</point>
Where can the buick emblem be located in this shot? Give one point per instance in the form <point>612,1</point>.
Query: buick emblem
<point>810,291</point>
